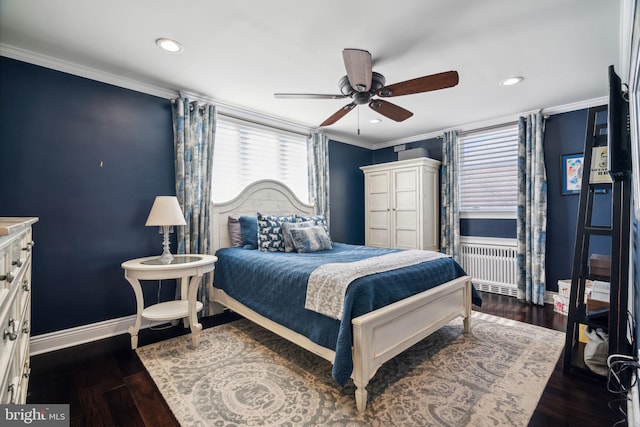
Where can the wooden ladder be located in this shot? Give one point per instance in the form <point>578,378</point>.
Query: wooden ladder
<point>614,318</point>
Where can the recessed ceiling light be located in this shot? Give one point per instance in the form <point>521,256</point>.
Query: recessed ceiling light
<point>374,121</point>
<point>170,45</point>
<point>511,81</point>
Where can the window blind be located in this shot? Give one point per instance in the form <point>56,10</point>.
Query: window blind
<point>488,171</point>
<point>246,152</point>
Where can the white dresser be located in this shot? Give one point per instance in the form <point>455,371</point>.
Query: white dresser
<point>402,204</point>
<point>15,307</point>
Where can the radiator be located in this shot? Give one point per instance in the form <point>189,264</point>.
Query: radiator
<point>491,262</point>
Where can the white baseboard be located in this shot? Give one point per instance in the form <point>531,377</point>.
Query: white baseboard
<point>45,343</point>
<point>58,340</point>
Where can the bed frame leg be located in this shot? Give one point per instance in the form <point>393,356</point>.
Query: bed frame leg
<point>467,324</point>
<point>361,398</point>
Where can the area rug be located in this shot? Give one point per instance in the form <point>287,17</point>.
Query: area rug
<point>242,374</point>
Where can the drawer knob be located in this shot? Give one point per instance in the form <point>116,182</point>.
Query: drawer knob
<point>18,263</point>
<point>25,327</point>
<point>25,286</point>
<point>12,335</point>
<point>8,277</point>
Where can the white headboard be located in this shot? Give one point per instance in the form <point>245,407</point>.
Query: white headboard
<point>265,196</point>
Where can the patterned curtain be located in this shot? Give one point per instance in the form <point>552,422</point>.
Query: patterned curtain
<point>193,132</point>
<point>318,154</point>
<point>449,216</point>
<point>532,209</point>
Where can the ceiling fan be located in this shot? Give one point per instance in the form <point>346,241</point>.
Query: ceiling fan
<point>361,84</point>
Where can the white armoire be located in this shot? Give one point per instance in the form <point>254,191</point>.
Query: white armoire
<point>401,204</point>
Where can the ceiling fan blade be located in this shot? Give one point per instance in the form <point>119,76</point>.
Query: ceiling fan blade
<point>358,65</point>
<point>421,84</point>
<point>339,114</point>
<point>390,110</point>
<point>308,96</point>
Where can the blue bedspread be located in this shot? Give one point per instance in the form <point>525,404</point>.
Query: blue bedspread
<point>274,285</point>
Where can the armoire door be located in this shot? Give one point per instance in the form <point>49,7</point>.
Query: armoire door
<point>378,209</point>
<point>405,208</point>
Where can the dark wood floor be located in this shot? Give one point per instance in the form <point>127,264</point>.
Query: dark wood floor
<point>106,385</point>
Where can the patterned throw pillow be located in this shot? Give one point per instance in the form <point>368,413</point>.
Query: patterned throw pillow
<point>270,231</point>
<point>310,239</point>
<point>286,233</point>
<point>317,219</point>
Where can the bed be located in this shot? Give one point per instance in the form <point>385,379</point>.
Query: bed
<point>367,335</point>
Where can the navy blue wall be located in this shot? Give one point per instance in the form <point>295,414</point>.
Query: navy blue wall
<point>88,159</point>
<point>347,192</point>
<point>56,132</point>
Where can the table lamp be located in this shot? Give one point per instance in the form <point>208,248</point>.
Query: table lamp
<point>166,213</point>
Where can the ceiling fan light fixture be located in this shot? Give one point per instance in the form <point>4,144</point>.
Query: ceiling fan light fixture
<point>374,121</point>
<point>169,45</point>
<point>511,81</point>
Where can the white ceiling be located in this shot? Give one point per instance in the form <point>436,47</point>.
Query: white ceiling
<point>240,53</point>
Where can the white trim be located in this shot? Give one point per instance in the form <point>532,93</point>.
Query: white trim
<point>57,340</point>
<point>489,215</point>
<point>151,89</point>
<point>139,86</point>
<point>493,241</point>
<point>497,121</point>
<point>86,72</point>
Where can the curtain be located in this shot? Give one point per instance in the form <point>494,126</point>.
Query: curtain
<point>318,156</point>
<point>449,215</point>
<point>193,131</point>
<point>532,209</point>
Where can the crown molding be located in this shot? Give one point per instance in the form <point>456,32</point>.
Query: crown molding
<point>86,72</point>
<point>150,89</point>
<point>580,105</point>
<point>242,113</point>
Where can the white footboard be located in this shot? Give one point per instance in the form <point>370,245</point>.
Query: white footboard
<point>382,334</point>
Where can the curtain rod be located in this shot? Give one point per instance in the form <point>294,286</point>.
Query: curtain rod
<point>486,128</point>
<point>220,105</point>
<point>231,116</point>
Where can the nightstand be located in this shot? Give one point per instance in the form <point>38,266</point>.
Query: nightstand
<point>189,269</point>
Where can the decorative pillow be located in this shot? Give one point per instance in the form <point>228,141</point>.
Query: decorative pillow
<point>310,239</point>
<point>286,233</point>
<point>235,235</point>
<point>249,231</point>
<point>270,231</point>
<point>317,220</point>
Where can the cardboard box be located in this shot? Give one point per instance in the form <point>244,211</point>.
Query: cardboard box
<point>582,337</point>
<point>413,153</point>
<point>600,265</point>
<point>593,304</point>
<point>564,288</point>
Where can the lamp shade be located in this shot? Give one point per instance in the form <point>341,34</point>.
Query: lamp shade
<point>166,211</point>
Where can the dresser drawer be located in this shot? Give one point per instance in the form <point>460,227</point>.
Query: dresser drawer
<point>16,245</point>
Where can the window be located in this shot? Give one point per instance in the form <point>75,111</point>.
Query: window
<point>246,152</point>
<point>488,173</point>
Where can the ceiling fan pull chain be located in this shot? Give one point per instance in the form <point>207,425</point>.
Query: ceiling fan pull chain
<point>358,120</point>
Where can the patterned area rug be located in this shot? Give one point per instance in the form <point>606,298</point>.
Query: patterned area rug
<point>242,374</point>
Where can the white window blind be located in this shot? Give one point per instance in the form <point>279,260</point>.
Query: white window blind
<point>488,171</point>
<point>246,152</point>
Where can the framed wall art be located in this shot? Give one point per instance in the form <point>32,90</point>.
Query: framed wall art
<point>572,167</point>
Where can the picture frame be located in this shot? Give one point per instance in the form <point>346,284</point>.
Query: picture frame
<point>572,168</point>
